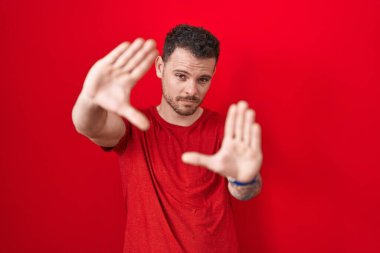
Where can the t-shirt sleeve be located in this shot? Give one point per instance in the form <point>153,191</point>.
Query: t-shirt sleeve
<point>122,144</point>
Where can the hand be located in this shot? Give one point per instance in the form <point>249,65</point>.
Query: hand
<point>240,156</point>
<point>110,80</point>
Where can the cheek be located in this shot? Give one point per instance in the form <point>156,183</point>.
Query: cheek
<point>167,83</point>
<point>171,82</point>
<point>203,90</point>
<point>171,86</point>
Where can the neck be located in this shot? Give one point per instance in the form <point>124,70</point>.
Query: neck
<point>169,115</point>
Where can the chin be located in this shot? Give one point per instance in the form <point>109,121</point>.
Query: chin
<point>186,111</point>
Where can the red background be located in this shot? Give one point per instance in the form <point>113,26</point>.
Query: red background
<point>309,69</point>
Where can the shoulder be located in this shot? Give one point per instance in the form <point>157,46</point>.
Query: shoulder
<point>213,117</point>
<point>212,127</point>
<point>148,111</point>
<point>212,121</point>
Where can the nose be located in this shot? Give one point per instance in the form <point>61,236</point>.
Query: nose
<point>191,88</point>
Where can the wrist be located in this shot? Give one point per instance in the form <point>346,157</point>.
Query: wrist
<point>235,182</point>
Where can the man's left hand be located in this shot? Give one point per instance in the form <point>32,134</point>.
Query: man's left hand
<point>240,156</point>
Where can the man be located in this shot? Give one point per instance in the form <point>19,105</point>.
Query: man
<point>173,203</point>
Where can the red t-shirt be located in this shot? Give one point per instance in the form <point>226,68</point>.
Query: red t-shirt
<point>171,206</point>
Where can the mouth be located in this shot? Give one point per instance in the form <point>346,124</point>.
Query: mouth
<point>189,101</point>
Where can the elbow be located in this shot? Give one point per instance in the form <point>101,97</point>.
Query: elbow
<point>75,120</point>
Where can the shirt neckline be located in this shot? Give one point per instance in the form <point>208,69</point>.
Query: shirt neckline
<point>157,116</point>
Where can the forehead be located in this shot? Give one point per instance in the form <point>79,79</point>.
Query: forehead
<point>183,59</point>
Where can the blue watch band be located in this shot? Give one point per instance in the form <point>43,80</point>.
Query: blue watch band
<point>238,183</point>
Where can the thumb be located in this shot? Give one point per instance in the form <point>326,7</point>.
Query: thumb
<point>197,159</point>
<point>136,117</point>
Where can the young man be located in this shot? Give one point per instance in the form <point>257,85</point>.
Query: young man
<point>173,203</point>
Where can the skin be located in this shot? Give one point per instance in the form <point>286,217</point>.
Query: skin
<point>185,82</point>
<point>105,98</point>
<point>240,156</point>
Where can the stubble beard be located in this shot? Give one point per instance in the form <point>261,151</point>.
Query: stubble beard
<point>176,107</point>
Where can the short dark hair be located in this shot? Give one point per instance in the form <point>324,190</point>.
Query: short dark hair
<point>200,42</point>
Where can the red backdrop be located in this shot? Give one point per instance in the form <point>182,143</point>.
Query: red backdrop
<point>309,69</point>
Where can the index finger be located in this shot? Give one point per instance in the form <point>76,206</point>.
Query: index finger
<point>112,56</point>
<point>230,122</point>
<point>144,66</point>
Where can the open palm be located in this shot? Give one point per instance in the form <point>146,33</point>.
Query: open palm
<point>240,156</point>
<point>110,80</point>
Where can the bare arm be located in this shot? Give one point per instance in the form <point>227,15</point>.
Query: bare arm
<point>105,96</point>
<point>101,126</point>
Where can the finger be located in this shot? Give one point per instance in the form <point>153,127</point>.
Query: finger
<point>112,56</point>
<point>239,125</point>
<point>197,159</point>
<point>256,137</point>
<point>127,54</point>
<point>144,66</point>
<point>134,116</point>
<point>148,46</point>
<point>230,122</point>
<point>248,120</point>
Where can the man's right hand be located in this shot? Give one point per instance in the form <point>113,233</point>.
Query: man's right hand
<point>110,80</point>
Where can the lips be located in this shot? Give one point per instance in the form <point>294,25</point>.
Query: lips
<point>189,100</point>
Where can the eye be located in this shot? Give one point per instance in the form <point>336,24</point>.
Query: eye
<point>181,77</point>
<point>204,80</point>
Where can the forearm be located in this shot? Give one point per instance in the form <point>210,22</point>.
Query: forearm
<point>89,119</point>
<point>246,192</point>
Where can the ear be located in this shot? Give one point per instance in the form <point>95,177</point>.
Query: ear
<point>159,64</point>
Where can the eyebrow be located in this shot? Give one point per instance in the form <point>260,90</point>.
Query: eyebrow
<point>207,76</point>
<point>181,71</point>
<point>187,73</point>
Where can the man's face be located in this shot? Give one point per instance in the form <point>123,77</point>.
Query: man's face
<point>185,80</point>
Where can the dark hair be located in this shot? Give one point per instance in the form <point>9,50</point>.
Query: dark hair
<point>200,42</point>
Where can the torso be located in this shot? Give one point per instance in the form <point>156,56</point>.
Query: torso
<point>171,206</point>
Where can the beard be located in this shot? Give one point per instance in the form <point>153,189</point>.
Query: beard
<point>185,110</point>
